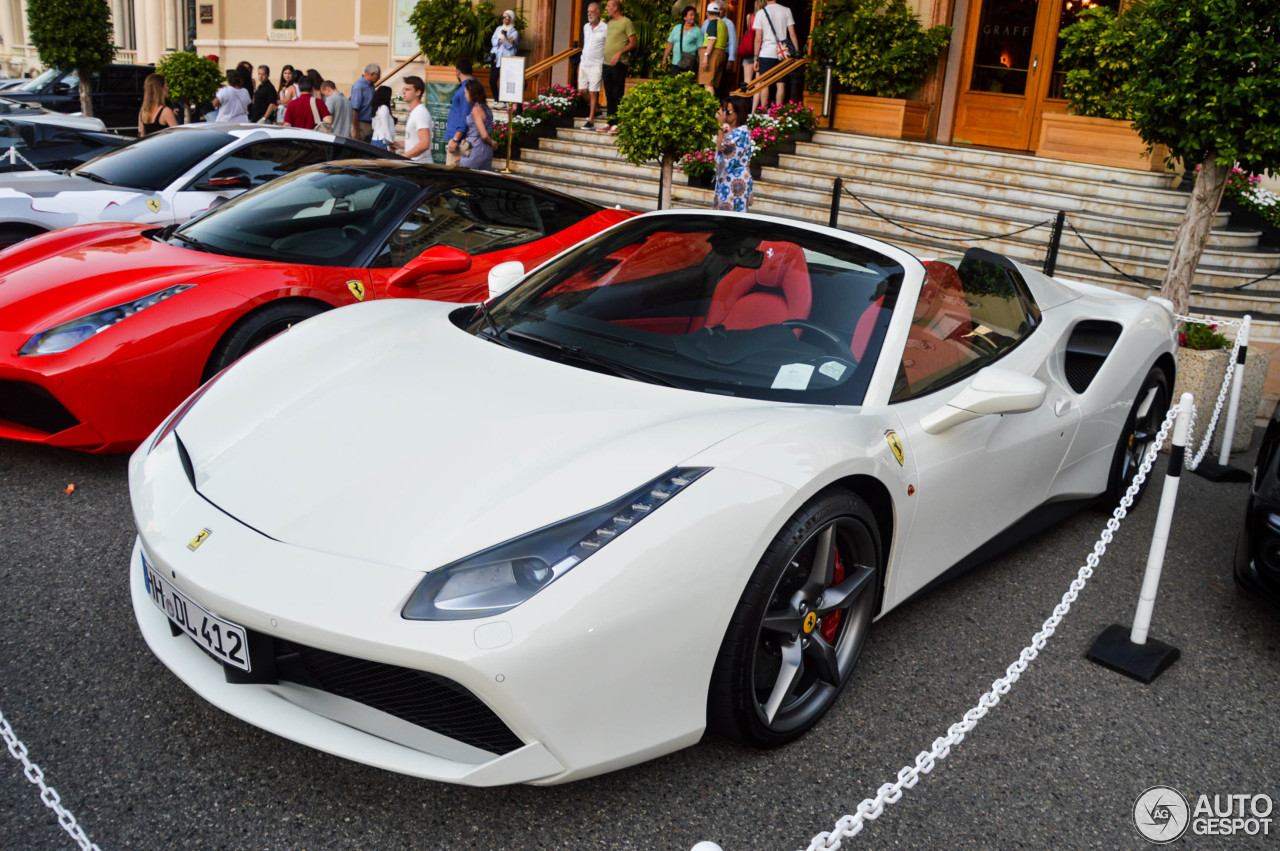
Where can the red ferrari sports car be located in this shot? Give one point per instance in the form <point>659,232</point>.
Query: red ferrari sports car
<point>106,328</point>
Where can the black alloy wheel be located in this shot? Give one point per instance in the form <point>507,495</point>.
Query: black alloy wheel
<point>255,329</point>
<point>1139,432</point>
<point>800,624</point>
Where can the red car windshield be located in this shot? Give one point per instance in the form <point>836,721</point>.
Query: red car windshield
<point>720,304</point>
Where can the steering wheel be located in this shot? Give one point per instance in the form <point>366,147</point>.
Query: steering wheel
<point>839,344</point>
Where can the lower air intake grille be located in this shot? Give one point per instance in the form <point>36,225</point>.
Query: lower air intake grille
<point>428,700</point>
<point>31,406</point>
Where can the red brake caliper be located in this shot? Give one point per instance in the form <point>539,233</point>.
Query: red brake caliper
<point>831,622</point>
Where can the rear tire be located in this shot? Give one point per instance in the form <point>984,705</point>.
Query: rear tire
<point>1139,432</point>
<point>255,329</point>
<point>14,234</point>
<point>800,624</point>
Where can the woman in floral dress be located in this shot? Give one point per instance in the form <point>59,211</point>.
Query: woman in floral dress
<point>733,159</point>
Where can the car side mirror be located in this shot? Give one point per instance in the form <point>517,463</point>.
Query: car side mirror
<point>504,276</point>
<point>228,178</point>
<point>61,89</point>
<point>436,260</point>
<point>994,390</point>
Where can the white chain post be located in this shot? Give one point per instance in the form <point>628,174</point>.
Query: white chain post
<point>1241,355</point>
<point>1164,521</point>
<point>871,808</point>
<point>48,794</point>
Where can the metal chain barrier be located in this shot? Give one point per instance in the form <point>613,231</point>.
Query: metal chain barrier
<point>951,236</point>
<point>13,152</point>
<point>890,793</point>
<point>48,794</point>
<point>1193,463</point>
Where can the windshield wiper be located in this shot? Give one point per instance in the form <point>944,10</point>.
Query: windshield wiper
<point>95,177</point>
<point>493,326</point>
<point>190,240</point>
<point>617,367</point>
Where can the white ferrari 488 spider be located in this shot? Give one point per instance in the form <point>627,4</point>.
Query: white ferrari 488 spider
<point>663,484</point>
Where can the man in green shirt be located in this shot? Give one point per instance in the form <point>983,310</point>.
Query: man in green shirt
<point>620,40</point>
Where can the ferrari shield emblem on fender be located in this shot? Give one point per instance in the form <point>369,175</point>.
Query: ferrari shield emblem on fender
<point>895,443</point>
<point>357,289</point>
<point>153,204</point>
<point>199,539</point>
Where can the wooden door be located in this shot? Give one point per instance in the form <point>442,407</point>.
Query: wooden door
<point>1005,72</point>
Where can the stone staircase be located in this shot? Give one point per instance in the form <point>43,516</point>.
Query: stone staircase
<point>933,199</point>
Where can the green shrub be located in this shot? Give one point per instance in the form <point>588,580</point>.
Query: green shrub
<point>447,29</point>
<point>664,119</point>
<point>880,47</point>
<point>1201,337</point>
<point>191,79</point>
<point>1097,54</point>
<point>72,35</point>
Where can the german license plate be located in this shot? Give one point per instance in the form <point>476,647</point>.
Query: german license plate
<point>223,639</point>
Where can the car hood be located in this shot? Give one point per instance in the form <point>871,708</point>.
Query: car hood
<point>383,432</point>
<point>49,188</point>
<point>65,274</point>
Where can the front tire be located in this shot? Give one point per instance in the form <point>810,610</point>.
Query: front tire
<point>256,328</point>
<point>800,624</point>
<point>1139,432</point>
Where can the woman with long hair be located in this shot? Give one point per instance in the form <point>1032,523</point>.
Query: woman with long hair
<point>317,82</point>
<point>246,77</point>
<point>478,143</point>
<point>748,67</point>
<point>155,114</point>
<point>681,51</point>
<point>384,120</point>
<point>287,90</point>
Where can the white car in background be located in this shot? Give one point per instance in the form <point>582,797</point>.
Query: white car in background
<point>36,114</point>
<point>167,178</point>
<point>663,485</point>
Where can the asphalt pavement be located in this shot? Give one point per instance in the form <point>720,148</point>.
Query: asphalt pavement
<point>145,764</point>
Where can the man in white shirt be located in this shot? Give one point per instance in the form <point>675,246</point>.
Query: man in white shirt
<point>418,127</point>
<point>772,24</point>
<point>591,69</point>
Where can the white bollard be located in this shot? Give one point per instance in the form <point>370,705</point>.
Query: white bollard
<point>1164,520</point>
<point>707,846</point>
<point>13,155</point>
<point>1237,382</point>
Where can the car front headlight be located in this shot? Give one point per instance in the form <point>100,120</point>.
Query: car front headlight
<point>68,335</point>
<point>502,577</point>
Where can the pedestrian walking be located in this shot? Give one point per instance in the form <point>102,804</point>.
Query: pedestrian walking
<point>714,53</point>
<point>265,98</point>
<point>384,120</point>
<point>477,148</point>
<point>747,51</point>
<point>775,26</point>
<point>590,79</point>
<point>362,101</point>
<point>505,41</point>
<point>733,158</point>
<point>455,128</point>
<point>305,111</point>
<point>680,54</point>
<point>155,114</point>
<point>340,108</point>
<point>232,101</point>
<point>417,129</point>
<point>619,41</point>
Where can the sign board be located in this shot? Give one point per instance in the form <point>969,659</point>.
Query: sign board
<point>437,99</point>
<point>404,41</point>
<point>511,80</point>
<point>206,13</point>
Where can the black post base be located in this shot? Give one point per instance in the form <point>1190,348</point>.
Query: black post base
<point>1215,472</point>
<point>1142,662</point>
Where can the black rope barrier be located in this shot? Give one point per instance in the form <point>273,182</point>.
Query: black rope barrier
<point>951,237</point>
<point>1113,266</point>
<point>1270,274</point>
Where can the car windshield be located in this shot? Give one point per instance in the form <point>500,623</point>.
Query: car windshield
<point>719,304</point>
<point>153,162</point>
<point>40,82</point>
<point>321,216</point>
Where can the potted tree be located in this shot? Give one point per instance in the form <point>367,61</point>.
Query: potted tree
<point>881,53</point>
<point>1098,55</point>
<point>665,119</point>
<point>192,79</point>
<point>1203,355</point>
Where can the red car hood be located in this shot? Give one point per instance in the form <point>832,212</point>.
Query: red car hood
<point>61,275</point>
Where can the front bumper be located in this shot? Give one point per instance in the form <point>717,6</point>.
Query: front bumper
<point>605,668</point>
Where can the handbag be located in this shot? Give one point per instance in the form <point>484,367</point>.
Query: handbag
<point>786,48</point>
<point>464,147</point>
<point>324,126</point>
<point>747,45</point>
<point>688,62</point>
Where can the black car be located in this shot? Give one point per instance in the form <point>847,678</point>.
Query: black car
<point>1257,562</point>
<point>116,93</point>
<point>50,146</point>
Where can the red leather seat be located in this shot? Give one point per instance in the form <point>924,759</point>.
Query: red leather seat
<point>752,298</point>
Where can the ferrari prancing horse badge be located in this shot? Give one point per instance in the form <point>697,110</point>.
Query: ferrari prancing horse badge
<point>357,289</point>
<point>895,443</point>
<point>153,205</point>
